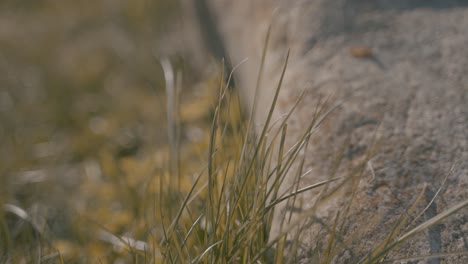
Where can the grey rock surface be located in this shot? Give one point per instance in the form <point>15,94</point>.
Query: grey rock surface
<point>400,71</point>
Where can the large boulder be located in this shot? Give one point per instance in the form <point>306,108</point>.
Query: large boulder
<point>399,73</point>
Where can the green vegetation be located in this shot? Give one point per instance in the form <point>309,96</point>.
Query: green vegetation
<point>106,168</point>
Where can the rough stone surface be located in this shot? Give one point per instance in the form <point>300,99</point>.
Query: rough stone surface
<point>400,71</point>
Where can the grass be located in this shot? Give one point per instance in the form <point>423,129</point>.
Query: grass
<point>210,200</point>
<point>225,216</point>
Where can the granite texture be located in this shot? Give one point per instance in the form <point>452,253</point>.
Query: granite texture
<point>399,71</point>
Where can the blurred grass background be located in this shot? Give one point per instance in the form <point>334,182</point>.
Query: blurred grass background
<point>83,124</point>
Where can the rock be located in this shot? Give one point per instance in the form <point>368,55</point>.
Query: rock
<point>400,72</point>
